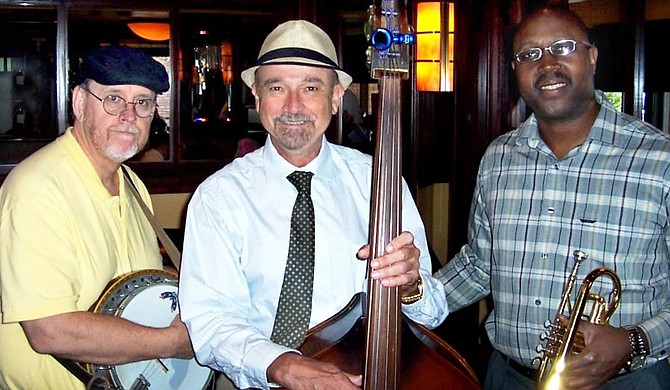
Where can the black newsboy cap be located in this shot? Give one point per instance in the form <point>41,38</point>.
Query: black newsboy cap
<point>120,65</point>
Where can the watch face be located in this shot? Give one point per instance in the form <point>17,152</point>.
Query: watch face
<point>637,362</point>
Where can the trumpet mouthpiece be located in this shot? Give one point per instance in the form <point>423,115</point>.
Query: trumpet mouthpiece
<point>579,255</point>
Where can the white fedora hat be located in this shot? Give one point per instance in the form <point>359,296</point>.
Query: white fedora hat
<point>297,42</point>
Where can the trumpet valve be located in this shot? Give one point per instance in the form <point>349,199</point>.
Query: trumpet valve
<point>554,331</point>
<point>553,339</point>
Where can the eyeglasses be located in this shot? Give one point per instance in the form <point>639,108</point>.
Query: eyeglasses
<point>559,48</point>
<point>115,105</point>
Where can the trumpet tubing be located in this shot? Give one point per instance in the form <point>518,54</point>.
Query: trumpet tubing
<point>563,341</point>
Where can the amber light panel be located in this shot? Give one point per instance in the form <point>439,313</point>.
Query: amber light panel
<point>428,47</point>
<point>434,49</point>
<point>428,76</point>
<point>429,17</point>
<point>428,22</point>
<point>151,31</point>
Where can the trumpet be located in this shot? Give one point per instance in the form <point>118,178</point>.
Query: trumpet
<point>562,341</point>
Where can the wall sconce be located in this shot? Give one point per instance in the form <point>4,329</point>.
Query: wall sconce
<point>151,31</point>
<point>435,46</point>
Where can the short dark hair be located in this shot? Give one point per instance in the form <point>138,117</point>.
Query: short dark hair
<point>561,11</point>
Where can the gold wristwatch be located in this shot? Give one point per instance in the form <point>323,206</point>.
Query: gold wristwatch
<point>413,298</point>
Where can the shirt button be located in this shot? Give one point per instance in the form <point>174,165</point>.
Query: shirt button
<point>538,302</point>
<point>550,210</point>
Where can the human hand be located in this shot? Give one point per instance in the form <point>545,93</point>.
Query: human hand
<point>606,350</point>
<point>180,339</point>
<point>399,266</point>
<point>294,371</point>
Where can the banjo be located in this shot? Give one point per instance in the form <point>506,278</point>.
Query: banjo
<point>147,297</point>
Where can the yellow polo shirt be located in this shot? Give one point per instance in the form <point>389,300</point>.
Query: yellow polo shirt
<point>63,237</point>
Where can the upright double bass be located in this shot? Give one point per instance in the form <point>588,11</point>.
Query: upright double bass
<point>371,336</point>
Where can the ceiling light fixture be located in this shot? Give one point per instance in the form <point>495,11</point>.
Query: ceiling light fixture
<point>151,31</point>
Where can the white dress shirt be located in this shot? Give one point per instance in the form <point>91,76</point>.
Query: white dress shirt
<point>236,246</point>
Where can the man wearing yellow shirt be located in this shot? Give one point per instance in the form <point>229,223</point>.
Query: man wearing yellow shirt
<point>69,225</point>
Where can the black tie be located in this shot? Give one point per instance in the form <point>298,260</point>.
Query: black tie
<point>295,299</point>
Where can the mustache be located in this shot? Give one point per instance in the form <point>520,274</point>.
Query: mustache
<point>290,117</point>
<point>554,76</point>
<point>132,129</point>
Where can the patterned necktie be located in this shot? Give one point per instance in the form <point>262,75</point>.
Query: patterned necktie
<point>295,299</point>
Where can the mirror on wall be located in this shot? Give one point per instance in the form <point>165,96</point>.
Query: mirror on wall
<point>28,118</point>
<point>210,116</point>
<point>217,112</point>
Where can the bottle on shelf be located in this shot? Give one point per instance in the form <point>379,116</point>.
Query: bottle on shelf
<point>19,125</point>
<point>19,79</point>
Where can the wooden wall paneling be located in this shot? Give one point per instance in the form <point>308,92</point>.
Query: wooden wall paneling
<point>177,81</point>
<point>481,100</point>
<point>480,104</point>
<point>61,68</point>
<point>633,20</point>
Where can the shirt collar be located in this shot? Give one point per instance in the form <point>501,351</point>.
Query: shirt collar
<point>85,167</point>
<point>602,130</point>
<point>607,122</point>
<point>277,168</point>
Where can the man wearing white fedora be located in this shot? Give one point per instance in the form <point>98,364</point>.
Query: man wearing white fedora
<point>239,224</point>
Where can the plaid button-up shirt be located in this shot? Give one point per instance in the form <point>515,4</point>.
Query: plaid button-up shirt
<point>608,197</point>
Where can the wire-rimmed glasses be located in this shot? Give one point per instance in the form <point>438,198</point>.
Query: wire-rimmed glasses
<point>561,48</point>
<point>115,105</point>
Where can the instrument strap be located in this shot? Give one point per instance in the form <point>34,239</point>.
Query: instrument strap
<point>96,382</point>
<point>92,382</point>
<point>170,247</point>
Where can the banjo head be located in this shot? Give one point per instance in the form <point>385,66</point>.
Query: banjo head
<point>149,298</point>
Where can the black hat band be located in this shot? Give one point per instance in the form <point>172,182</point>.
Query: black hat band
<point>288,52</point>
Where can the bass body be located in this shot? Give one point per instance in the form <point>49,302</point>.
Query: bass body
<point>426,361</point>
